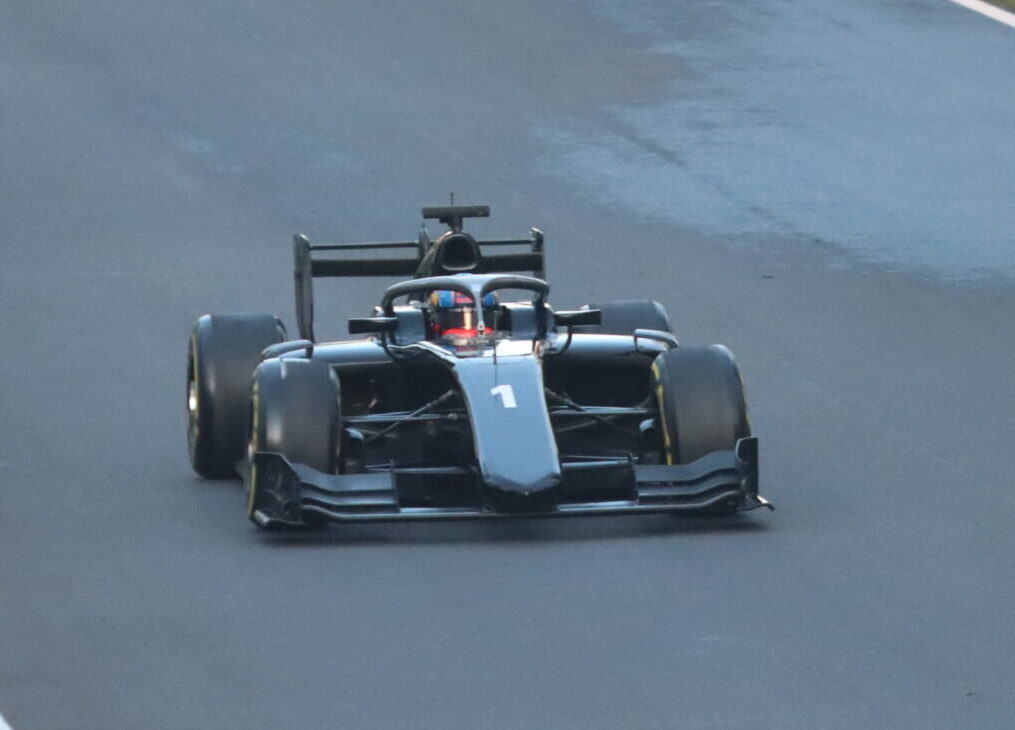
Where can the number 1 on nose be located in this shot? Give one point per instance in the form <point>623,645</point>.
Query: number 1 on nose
<point>507,395</point>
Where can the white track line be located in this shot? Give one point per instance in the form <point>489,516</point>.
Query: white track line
<point>991,11</point>
<point>4,725</point>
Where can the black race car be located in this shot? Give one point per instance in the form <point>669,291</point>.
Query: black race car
<point>465,395</point>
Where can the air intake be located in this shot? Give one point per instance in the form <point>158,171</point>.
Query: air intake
<point>457,252</point>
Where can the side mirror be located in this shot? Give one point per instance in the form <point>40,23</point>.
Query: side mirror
<point>578,317</point>
<point>372,325</point>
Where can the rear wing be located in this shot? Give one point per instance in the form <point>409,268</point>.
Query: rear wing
<point>454,252</point>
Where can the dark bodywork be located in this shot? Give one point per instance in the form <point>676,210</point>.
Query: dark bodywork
<point>545,421</point>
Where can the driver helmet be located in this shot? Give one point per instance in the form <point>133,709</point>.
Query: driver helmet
<point>454,317</point>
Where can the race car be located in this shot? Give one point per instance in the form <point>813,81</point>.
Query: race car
<point>465,395</point>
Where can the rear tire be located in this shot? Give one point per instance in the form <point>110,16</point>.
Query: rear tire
<point>701,403</point>
<point>222,354</point>
<point>296,412</point>
<point>624,317</point>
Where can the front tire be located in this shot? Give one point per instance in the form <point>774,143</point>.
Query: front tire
<point>700,396</point>
<point>221,356</point>
<point>296,412</point>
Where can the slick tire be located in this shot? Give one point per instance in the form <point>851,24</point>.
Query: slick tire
<point>295,411</point>
<point>624,317</point>
<point>221,356</point>
<point>701,403</point>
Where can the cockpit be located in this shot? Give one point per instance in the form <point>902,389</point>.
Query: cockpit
<point>457,323</point>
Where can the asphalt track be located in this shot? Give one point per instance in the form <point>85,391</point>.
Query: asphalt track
<point>824,187</point>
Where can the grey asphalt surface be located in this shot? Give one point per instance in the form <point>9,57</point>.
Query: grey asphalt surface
<point>823,187</point>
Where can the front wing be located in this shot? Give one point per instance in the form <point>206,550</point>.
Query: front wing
<point>281,493</point>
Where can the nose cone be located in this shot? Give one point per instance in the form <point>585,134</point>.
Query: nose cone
<point>516,450</point>
<point>507,495</point>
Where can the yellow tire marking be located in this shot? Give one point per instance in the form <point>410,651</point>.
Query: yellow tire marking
<point>667,443</point>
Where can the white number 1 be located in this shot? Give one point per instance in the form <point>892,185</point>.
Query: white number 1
<point>507,395</point>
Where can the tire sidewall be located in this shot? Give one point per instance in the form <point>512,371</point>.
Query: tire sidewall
<point>223,351</point>
<point>702,407</point>
<point>295,411</point>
